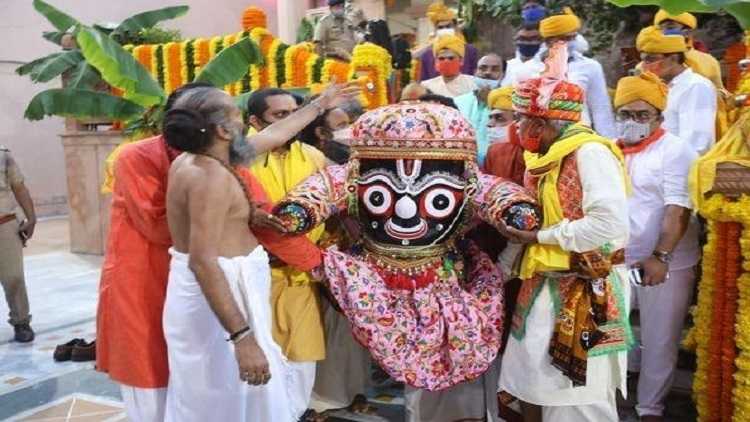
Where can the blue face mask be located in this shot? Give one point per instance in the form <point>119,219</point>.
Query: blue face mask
<point>485,83</point>
<point>533,14</point>
<point>528,50</point>
<point>673,31</point>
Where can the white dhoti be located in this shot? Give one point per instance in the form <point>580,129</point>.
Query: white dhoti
<point>662,309</point>
<point>204,381</point>
<point>144,404</point>
<point>468,401</point>
<point>345,372</point>
<point>527,372</point>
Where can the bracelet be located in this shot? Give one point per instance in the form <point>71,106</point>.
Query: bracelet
<point>241,336</point>
<point>237,335</point>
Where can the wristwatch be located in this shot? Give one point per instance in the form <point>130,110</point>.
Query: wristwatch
<point>663,256</point>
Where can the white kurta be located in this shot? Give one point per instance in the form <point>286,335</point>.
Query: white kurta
<point>462,84</point>
<point>526,370</point>
<point>691,110</point>
<point>659,176</point>
<point>204,380</point>
<point>589,75</point>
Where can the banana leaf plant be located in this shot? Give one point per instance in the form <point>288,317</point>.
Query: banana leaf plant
<point>82,75</point>
<point>142,101</point>
<point>740,9</point>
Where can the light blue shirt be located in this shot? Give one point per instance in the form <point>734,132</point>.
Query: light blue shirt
<point>478,115</point>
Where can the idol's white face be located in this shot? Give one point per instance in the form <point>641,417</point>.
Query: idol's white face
<point>411,202</point>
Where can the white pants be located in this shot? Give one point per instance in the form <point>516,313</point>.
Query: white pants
<point>663,309</point>
<point>302,379</point>
<point>475,400</point>
<point>144,404</point>
<point>345,372</point>
<point>204,379</point>
<point>600,412</point>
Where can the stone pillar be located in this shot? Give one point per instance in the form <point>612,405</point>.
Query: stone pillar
<point>290,14</point>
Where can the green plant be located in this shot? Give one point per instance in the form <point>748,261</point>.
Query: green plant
<point>82,75</point>
<point>306,30</point>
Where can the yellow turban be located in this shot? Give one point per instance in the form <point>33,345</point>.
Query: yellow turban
<point>686,18</point>
<point>646,86</point>
<point>652,40</point>
<point>501,98</point>
<point>438,12</point>
<point>557,25</point>
<point>451,42</point>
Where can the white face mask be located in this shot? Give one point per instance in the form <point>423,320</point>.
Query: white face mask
<point>445,31</point>
<point>497,134</point>
<point>632,132</point>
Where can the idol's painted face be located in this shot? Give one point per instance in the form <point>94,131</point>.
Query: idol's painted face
<point>411,202</point>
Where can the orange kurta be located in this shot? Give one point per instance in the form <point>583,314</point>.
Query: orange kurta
<point>130,339</point>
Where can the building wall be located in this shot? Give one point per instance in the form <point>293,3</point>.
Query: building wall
<point>36,145</point>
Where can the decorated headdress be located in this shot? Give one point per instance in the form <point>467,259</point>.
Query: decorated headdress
<point>415,130</point>
<point>438,11</point>
<point>254,17</point>
<point>550,96</point>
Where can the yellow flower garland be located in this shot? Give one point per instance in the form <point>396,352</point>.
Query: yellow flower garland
<point>373,62</point>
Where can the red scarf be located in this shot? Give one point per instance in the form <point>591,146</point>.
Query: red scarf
<point>634,149</point>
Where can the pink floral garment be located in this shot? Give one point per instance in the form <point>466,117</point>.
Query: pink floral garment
<point>430,338</point>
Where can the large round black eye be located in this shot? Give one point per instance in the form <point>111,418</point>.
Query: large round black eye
<point>440,202</point>
<point>378,199</point>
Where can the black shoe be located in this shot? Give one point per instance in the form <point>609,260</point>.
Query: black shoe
<point>24,333</point>
<point>64,352</point>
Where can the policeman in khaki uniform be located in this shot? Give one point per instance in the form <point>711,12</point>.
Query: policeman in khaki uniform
<point>13,237</point>
<point>336,34</point>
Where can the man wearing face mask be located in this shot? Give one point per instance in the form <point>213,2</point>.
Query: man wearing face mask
<point>329,133</point>
<point>692,101</point>
<point>473,105</point>
<point>663,234</point>
<point>528,40</point>
<point>449,51</point>
<point>505,155</point>
<point>556,362</point>
<point>684,24</point>
<point>445,22</point>
<point>583,71</point>
<point>335,34</point>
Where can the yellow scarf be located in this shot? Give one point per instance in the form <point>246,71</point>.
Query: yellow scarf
<point>279,172</point>
<point>542,258</point>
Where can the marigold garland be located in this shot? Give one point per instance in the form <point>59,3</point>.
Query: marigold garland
<point>172,67</point>
<point>254,17</point>
<point>373,62</point>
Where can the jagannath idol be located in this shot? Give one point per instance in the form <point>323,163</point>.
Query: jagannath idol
<point>426,303</point>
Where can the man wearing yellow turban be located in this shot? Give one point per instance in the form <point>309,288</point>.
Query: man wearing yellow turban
<point>445,22</point>
<point>449,50</point>
<point>690,113</point>
<point>663,241</point>
<point>583,71</point>
<point>505,155</point>
<point>684,24</point>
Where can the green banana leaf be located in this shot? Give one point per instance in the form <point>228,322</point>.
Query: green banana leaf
<point>84,76</point>
<point>53,36</point>
<point>80,103</point>
<point>150,18</point>
<point>57,18</point>
<point>241,101</point>
<point>49,69</point>
<point>740,9</point>
<point>118,68</point>
<point>231,64</point>
<point>30,66</point>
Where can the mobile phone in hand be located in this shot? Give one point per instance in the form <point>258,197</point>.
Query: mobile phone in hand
<point>635,275</point>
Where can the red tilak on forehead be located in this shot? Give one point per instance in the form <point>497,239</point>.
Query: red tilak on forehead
<point>408,166</point>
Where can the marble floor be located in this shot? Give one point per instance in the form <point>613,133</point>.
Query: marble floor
<point>63,295</point>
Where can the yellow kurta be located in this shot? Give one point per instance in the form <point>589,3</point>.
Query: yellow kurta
<point>295,300</point>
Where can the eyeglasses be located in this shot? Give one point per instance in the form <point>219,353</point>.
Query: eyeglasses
<point>640,116</point>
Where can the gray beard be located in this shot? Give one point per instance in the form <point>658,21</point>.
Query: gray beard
<point>241,153</point>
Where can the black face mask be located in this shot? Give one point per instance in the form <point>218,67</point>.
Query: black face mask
<point>337,152</point>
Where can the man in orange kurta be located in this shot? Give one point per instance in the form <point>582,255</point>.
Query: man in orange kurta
<point>130,340</point>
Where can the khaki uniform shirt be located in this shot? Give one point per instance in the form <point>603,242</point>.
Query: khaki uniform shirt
<point>10,175</point>
<point>333,34</point>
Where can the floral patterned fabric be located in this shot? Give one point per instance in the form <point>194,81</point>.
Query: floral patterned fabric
<point>432,338</point>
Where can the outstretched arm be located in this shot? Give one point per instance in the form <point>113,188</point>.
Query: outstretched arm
<point>282,131</point>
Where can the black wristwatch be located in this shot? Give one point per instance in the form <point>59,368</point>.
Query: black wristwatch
<point>663,257</point>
